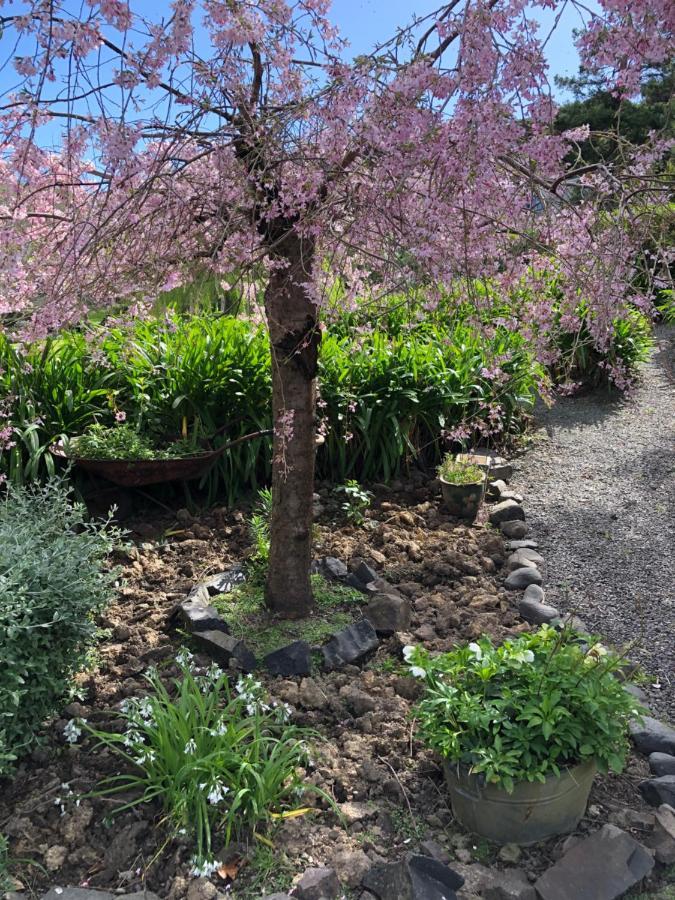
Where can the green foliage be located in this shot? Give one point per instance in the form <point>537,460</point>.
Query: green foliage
<point>244,610</point>
<point>124,442</point>
<point>524,710</point>
<point>259,526</point>
<point>220,763</point>
<point>387,396</point>
<point>457,471</point>
<point>357,501</point>
<point>53,580</point>
<point>6,882</point>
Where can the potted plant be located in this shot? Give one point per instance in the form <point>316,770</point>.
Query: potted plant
<point>462,486</point>
<point>522,728</point>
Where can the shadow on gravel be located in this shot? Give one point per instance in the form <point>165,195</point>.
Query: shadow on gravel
<point>589,408</point>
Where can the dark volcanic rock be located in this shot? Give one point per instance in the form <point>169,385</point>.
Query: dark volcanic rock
<point>223,648</point>
<point>659,790</point>
<point>294,659</point>
<point>600,867</point>
<point>388,613</point>
<point>522,578</point>
<point>197,616</point>
<point>514,529</point>
<point>413,878</point>
<point>350,644</point>
<point>662,764</point>
<point>225,582</point>
<point>506,511</point>
<point>652,736</point>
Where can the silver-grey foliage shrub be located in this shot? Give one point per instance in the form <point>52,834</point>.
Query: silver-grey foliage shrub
<point>54,578</point>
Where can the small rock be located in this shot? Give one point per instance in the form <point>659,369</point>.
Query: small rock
<point>388,613</point>
<point>317,884</point>
<point>55,857</point>
<point>357,812</point>
<point>524,557</point>
<point>225,582</point>
<point>514,529</point>
<point>358,701</point>
<point>121,632</point>
<point>223,648</point>
<point>522,578</point>
<point>334,568</point>
<point>311,696</point>
<point>363,571</point>
<point>495,489</point>
<point>652,736</point>
<point>601,867</point>
<point>198,616</point>
<point>202,889</point>
<point>408,687</point>
<point>661,764</point>
<point>435,851</point>
<point>525,544</point>
<point>413,878</point>
<point>351,866</point>
<point>510,853</point>
<point>294,659</point>
<point>664,835</point>
<point>76,893</point>
<point>535,612</point>
<point>512,884</point>
<point>659,790</point>
<point>506,511</point>
<point>350,644</point>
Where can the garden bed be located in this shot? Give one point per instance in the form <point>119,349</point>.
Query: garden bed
<point>389,788</point>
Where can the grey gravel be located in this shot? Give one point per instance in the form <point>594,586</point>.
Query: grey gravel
<point>600,501</point>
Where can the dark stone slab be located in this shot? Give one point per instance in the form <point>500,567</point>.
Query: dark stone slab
<point>523,544</point>
<point>388,613</point>
<point>662,764</point>
<point>535,612</point>
<point>364,572</point>
<point>197,616</point>
<point>659,790</point>
<point>652,736</point>
<point>334,568</point>
<point>319,883</point>
<point>600,867</point>
<point>222,648</point>
<point>294,659</point>
<point>350,644</point>
<point>413,878</point>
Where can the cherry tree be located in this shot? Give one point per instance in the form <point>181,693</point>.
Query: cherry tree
<point>234,135</point>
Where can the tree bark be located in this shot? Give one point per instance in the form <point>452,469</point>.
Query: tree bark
<point>294,339</point>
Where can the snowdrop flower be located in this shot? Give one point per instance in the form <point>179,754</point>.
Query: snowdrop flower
<point>191,747</point>
<point>145,708</point>
<point>184,657</point>
<point>217,793</point>
<point>475,649</point>
<point>204,869</point>
<point>72,730</point>
<point>219,730</point>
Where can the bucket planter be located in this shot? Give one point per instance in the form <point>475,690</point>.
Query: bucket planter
<point>462,487</point>
<point>533,811</point>
<point>522,728</point>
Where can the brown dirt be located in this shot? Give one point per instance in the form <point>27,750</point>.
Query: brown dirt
<point>390,788</point>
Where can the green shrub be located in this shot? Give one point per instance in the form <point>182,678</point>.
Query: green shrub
<point>52,582</point>
<point>124,442</point>
<point>524,710</point>
<point>216,761</point>
<point>356,501</point>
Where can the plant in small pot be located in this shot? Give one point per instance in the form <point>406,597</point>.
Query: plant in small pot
<point>462,486</point>
<point>522,728</point>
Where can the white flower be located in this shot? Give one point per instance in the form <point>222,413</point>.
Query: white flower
<point>204,869</point>
<point>145,708</point>
<point>407,652</point>
<point>417,672</point>
<point>219,730</point>
<point>217,793</point>
<point>184,657</point>
<point>527,656</point>
<point>72,730</point>
<point>191,747</point>
<point>475,649</point>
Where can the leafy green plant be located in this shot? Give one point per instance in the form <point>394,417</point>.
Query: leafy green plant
<point>53,580</point>
<point>6,882</point>
<point>357,501</point>
<point>259,529</point>
<point>525,709</point>
<point>457,471</point>
<point>219,762</point>
<point>124,442</point>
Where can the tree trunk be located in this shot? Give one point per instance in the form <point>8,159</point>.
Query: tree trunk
<point>294,339</point>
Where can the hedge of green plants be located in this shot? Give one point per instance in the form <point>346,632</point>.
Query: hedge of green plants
<point>385,399</point>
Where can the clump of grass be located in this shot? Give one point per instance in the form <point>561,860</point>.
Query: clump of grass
<point>221,763</point>
<point>249,619</point>
<point>456,471</point>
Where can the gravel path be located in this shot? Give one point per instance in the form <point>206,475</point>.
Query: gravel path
<point>600,499</point>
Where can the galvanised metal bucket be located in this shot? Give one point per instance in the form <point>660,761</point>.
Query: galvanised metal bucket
<point>534,811</point>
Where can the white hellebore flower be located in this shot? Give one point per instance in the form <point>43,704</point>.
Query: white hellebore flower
<point>475,649</point>
<point>407,652</point>
<point>417,672</point>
